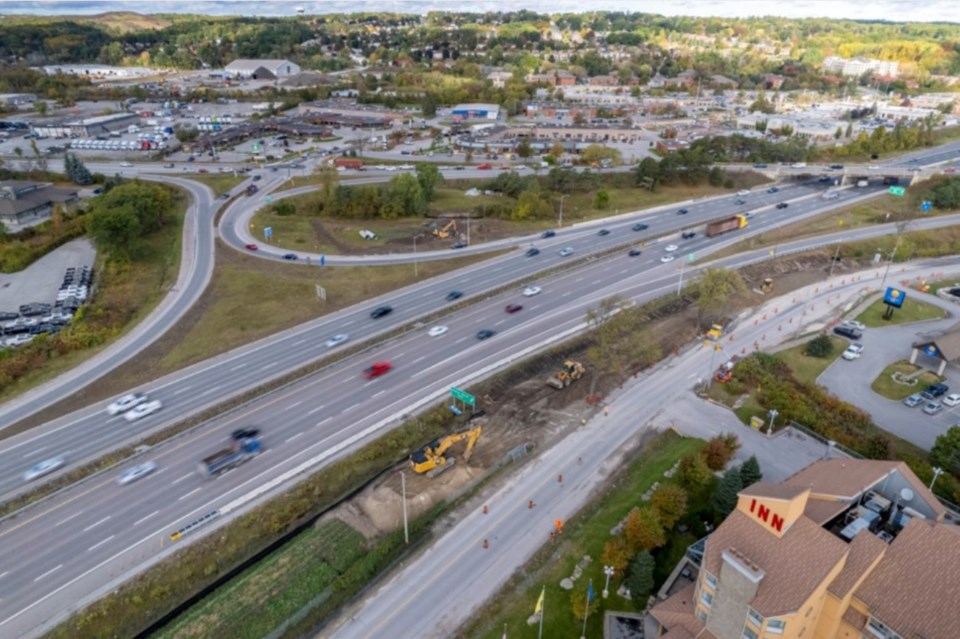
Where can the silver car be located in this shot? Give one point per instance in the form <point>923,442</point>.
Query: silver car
<point>44,468</point>
<point>134,473</point>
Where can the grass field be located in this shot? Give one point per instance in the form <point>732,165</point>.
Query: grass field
<point>220,183</point>
<point>884,384</point>
<point>254,604</point>
<point>911,311</point>
<point>806,368</point>
<point>584,535</point>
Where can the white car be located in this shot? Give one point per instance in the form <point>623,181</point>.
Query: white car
<point>951,400</point>
<point>873,167</point>
<point>125,403</point>
<point>667,258</point>
<point>126,164</point>
<point>860,326</point>
<point>147,408</point>
<point>671,248</point>
<point>336,340</point>
<point>566,251</point>
<point>437,331</point>
<point>136,472</point>
<point>853,352</point>
<point>44,468</point>
<point>743,192</point>
<point>530,291</point>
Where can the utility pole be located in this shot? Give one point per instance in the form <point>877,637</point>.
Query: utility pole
<point>416,272</point>
<point>680,283</point>
<point>403,496</point>
<point>560,220</point>
<point>901,226</point>
<point>836,255</point>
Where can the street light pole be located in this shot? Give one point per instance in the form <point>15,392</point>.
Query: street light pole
<point>937,471</point>
<point>560,220</point>
<point>608,571</point>
<point>772,414</point>
<point>416,272</point>
<point>403,496</point>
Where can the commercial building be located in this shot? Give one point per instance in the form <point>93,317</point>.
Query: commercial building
<point>475,111</point>
<point>859,66</point>
<point>23,203</point>
<point>17,100</point>
<point>843,549</point>
<point>87,127</point>
<point>262,69</point>
<point>98,71</point>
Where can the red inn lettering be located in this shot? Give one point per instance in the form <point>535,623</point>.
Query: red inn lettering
<point>763,514</point>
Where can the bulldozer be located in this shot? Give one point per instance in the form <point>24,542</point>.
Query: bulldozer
<point>446,231</point>
<point>571,372</point>
<point>431,459</point>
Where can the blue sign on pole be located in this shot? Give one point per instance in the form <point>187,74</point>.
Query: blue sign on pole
<point>894,297</point>
<point>323,260</point>
<point>926,205</point>
<point>268,232</point>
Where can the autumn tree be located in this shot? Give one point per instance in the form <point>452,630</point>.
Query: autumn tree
<point>670,501</point>
<point>616,553</point>
<point>579,605</point>
<point>719,450</point>
<point>693,472</point>
<point>644,529</point>
<point>714,290</point>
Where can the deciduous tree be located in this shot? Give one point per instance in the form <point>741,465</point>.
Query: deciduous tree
<point>670,501</point>
<point>644,529</point>
<point>616,553</point>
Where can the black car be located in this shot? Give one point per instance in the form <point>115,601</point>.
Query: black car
<point>848,331</point>
<point>290,256</point>
<point>740,202</point>
<point>836,167</point>
<point>773,189</point>
<point>454,295</point>
<point>782,205</point>
<point>547,234</point>
<point>640,226</point>
<point>459,245</point>
<point>533,251</point>
<point>485,334</point>
<point>256,178</point>
<point>603,232</point>
<point>934,390</point>
<point>7,316</point>
<point>245,433</point>
<point>688,235</point>
<point>634,253</point>
<point>682,212</point>
<point>381,311</point>
<point>825,178</point>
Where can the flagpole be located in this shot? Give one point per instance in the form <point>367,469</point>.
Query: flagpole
<point>542,597</point>
<point>586,611</point>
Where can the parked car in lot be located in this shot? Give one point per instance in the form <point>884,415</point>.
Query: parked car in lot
<point>848,331</point>
<point>336,340</point>
<point>377,369</point>
<point>485,334</point>
<point>381,311</point>
<point>513,308</point>
<point>44,468</point>
<point>860,326</point>
<point>454,295</point>
<point>530,291</point>
<point>136,472</point>
<point>125,403</point>
<point>951,400</point>
<point>932,408</point>
<point>437,331</point>
<point>141,411</point>
<point>564,252</point>
<point>913,400</point>
<point>853,352</point>
<point>533,251</point>
<point>934,391</point>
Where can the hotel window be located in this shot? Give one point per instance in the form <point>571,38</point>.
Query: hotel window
<point>701,615</point>
<point>754,618</point>
<point>879,629</point>
<point>711,581</point>
<point>706,599</point>
<point>776,626</point>
<point>748,633</point>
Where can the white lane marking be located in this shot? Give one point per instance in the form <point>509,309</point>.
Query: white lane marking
<point>48,573</point>
<point>36,451</point>
<point>270,365</point>
<point>94,525</point>
<point>499,323</point>
<point>479,320</point>
<point>143,519</point>
<point>100,543</point>
<point>63,521</point>
<point>378,394</point>
<point>567,294</point>
<point>299,342</point>
<point>315,410</point>
<point>293,437</point>
<point>293,405</point>
<point>4,574</point>
<point>324,421</point>
<point>238,367</point>
<point>419,359</point>
<point>579,279</point>
<point>626,270</point>
<point>399,355</point>
<point>177,481</point>
<point>210,390</point>
<point>195,490</point>
<point>533,308</point>
<point>350,408</point>
<point>181,390</point>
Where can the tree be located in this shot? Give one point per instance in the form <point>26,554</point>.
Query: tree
<point>557,150</point>
<point>524,149</point>
<point>604,349</point>
<point>116,232</point>
<point>601,200</point>
<point>41,107</point>
<point>716,453</point>
<point>716,176</point>
<point>715,288</point>
<point>693,472</point>
<point>597,153</point>
<point>616,553</point>
<point>644,529</point>
<point>750,471</point>
<point>640,576</point>
<point>648,173</point>
<point>76,170</point>
<point>579,118</point>
<point>579,605</point>
<point>725,496</point>
<point>403,197</point>
<point>670,501</point>
<point>186,134</point>
<point>946,450</point>
<point>329,179</point>
<point>428,105</point>
<point>429,176</point>
<point>528,205</point>
<point>820,346</point>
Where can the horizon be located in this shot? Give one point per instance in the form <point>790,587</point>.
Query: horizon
<point>896,11</point>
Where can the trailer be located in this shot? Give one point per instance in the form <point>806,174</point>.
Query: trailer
<point>723,226</point>
<point>238,453</point>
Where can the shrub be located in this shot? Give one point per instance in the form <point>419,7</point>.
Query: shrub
<point>820,346</point>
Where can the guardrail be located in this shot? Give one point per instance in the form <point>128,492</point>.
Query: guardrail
<point>194,525</point>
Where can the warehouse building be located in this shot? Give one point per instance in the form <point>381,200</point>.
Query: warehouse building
<point>843,549</point>
<point>85,128</point>
<point>23,204</point>
<point>262,69</point>
<point>475,112</point>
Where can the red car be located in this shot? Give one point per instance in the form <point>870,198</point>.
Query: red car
<point>378,369</point>
<point>513,308</point>
<point>251,247</point>
<point>484,167</point>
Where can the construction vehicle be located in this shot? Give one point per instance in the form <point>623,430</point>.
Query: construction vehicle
<point>725,225</point>
<point>767,285</point>
<point>725,372</point>
<point>238,452</point>
<point>572,371</point>
<point>446,231</point>
<point>715,332</point>
<point>431,459</point>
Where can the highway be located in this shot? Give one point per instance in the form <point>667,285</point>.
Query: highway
<point>87,433</point>
<point>90,537</point>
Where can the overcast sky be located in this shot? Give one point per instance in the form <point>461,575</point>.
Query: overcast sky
<point>893,10</point>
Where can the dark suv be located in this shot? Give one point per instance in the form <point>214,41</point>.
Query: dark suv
<point>848,331</point>
<point>381,311</point>
<point>688,235</point>
<point>640,226</point>
<point>934,390</point>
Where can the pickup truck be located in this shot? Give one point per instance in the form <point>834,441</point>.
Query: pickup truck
<point>240,451</point>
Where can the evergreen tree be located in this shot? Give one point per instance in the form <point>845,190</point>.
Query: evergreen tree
<point>750,471</point>
<point>640,576</point>
<point>725,496</point>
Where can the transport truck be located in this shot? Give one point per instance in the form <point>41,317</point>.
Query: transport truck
<point>237,453</point>
<point>729,224</point>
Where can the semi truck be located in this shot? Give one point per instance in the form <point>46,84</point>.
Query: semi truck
<point>729,224</point>
<point>240,451</point>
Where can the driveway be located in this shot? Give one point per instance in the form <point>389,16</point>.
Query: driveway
<point>850,381</point>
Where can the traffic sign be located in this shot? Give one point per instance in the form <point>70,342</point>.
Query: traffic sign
<point>899,191</point>
<point>463,396</point>
<point>267,199</point>
<point>926,205</point>
<point>256,147</point>
<point>268,232</point>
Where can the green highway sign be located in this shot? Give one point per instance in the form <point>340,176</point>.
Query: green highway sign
<point>463,396</point>
<point>897,190</point>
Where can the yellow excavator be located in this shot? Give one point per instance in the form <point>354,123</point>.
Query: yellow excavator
<point>571,372</point>
<point>446,231</point>
<point>430,459</point>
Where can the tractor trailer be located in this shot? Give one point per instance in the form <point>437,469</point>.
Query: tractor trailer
<point>241,451</point>
<point>729,224</point>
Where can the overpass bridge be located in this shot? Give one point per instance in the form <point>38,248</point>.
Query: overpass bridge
<point>845,173</point>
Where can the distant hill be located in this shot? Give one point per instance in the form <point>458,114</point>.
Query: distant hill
<point>113,21</point>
